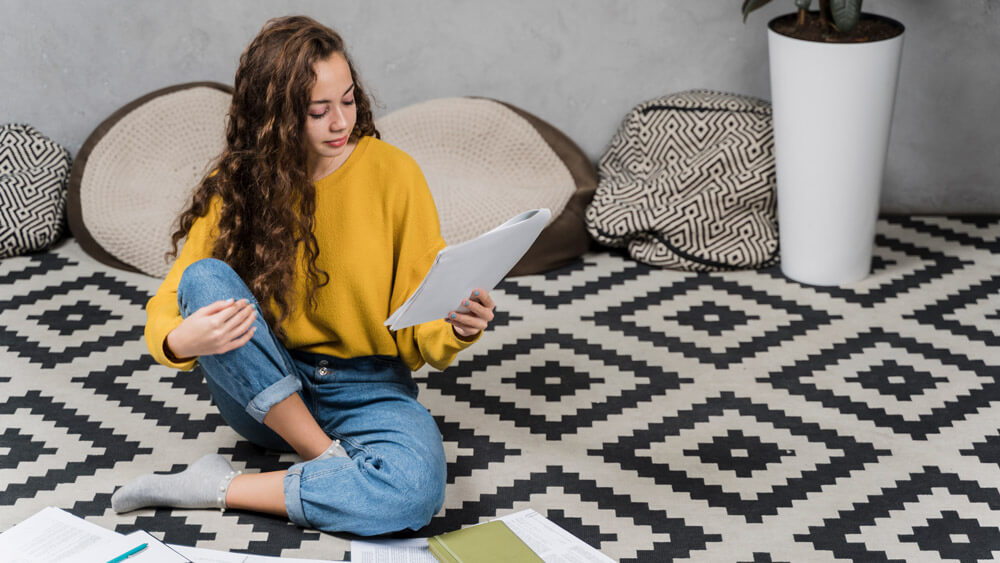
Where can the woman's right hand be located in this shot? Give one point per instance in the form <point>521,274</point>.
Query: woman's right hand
<point>216,328</point>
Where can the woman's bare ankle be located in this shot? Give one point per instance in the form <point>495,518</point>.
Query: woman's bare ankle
<point>313,450</point>
<point>292,420</point>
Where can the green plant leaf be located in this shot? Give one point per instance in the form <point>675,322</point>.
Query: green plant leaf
<point>803,4</point>
<point>751,5</point>
<point>846,13</point>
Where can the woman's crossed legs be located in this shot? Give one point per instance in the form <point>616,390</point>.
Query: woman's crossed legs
<point>375,457</point>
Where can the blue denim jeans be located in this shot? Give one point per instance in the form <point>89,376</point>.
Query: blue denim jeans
<point>395,477</point>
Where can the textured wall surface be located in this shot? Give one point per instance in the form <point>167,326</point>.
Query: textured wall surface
<point>580,64</point>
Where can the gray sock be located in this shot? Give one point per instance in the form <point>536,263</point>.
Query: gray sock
<point>202,485</point>
<point>334,450</point>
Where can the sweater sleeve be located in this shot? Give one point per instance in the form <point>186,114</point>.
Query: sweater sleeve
<point>417,241</point>
<point>163,314</point>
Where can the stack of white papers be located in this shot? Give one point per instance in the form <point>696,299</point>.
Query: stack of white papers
<point>53,535</point>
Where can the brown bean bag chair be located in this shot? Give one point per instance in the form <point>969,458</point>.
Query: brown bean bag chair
<point>486,161</point>
<point>136,171</point>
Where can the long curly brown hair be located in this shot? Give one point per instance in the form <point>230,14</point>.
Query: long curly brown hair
<point>261,177</point>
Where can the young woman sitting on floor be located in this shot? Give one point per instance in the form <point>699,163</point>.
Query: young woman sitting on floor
<point>310,232</point>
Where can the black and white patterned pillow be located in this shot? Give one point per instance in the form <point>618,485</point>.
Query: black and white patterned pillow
<point>33,175</point>
<point>688,182</point>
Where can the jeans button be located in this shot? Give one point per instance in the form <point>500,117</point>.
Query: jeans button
<point>323,371</point>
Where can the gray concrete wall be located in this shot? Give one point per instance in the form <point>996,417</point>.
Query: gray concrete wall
<point>65,65</point>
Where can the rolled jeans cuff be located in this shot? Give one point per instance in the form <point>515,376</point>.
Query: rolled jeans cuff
<point>274,394</point>
<point>293,498</point>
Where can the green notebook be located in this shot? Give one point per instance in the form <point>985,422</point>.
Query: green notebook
<point>486,543</point>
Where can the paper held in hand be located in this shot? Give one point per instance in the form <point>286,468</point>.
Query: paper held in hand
<point>459,269</point>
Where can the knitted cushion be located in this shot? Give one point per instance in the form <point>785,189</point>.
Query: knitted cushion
<point>688,183</point>
<point>33,172</point>
<point>136,171</point>
<point>486,161</point>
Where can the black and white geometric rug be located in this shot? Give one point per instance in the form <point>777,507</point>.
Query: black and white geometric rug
<point>658,415</point>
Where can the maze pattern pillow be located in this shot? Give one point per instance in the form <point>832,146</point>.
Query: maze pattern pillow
<point>688,183</point>
<point>33,172</point>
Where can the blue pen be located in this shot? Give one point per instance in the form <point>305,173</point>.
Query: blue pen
<point>128,553</point>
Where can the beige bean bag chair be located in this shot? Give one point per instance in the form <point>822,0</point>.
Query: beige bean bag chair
<point>486,161</point>
<point>136,171</point>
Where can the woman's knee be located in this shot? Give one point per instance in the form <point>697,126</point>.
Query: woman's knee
<point>402,498</point>
<point>420,495</point>
<point>425,499</point>
<point>403,509</point>
<point>207,272</point>
<point>209,280</point>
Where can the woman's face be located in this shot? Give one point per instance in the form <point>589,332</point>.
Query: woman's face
<point>331,116</point>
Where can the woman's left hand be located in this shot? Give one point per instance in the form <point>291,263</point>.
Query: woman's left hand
<point>468,325</point>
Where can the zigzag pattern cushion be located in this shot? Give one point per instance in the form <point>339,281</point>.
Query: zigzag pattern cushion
<point>688,183</point>
<point>33,171</point>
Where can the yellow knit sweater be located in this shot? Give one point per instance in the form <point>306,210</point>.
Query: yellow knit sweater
<point>378,233</point>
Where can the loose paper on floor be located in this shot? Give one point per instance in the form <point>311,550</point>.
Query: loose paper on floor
<point>550,542</point>
<point>391,551</point>
<point>53,536</point>
<point>201,555</point>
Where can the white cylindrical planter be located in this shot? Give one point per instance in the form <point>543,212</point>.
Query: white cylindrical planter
<point>832,109</point>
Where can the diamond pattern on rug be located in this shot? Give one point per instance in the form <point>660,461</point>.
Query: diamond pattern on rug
<point>473,452</point>
<point>930,516</point>
<point>887,379</point>
<point>973,312</point>
<point>772,460</point>
<point>660,416</point>
<point>82,446</point>
<point>68,340</point>
<point>17,447</point>
<point>483,383</point>
<point>713,320</point>
<point>128,387</point>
